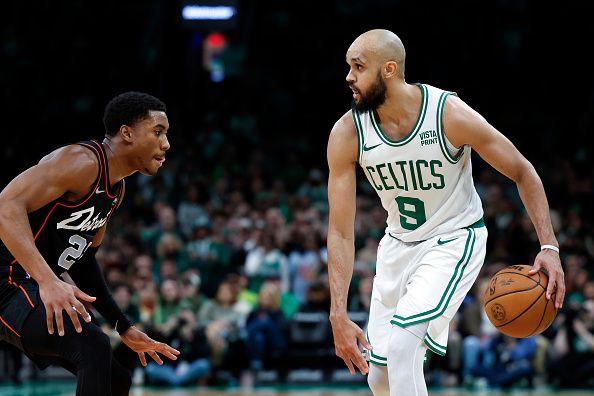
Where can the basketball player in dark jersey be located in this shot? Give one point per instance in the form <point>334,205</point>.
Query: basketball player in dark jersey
<point>52,220</point>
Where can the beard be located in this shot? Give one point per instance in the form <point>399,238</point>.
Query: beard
<point>375,96</point>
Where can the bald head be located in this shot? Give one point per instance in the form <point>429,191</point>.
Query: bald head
<point>379,46</point>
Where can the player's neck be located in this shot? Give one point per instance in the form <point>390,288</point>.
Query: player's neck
<point>402,100</point>
<point>116,159</point>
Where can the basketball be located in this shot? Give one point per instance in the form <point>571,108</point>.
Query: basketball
<point>516,302</point>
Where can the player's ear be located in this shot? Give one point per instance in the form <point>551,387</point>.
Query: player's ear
<point>126,133</point>
<point>390,69</point>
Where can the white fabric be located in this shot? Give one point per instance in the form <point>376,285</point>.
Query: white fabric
<point>422,282</point>
<point>424,182</point>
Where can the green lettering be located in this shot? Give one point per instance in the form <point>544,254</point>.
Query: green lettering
<point>370,169</point>
<point>402,163</point>
<point>433,164</point>
<point>420,174</point>
<point>394,176</point>
<point>382,177</point>
<point>412,174</point>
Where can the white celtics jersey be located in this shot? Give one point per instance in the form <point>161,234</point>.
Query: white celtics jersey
<point>423,181</point>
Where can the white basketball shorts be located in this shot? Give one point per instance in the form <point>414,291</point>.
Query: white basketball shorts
<point>422,281</point>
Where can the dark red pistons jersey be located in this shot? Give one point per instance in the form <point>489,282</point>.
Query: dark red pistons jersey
<point>64,230</point>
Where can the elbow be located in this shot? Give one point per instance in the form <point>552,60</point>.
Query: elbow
<point>4,212</point>
<point>525,171</point>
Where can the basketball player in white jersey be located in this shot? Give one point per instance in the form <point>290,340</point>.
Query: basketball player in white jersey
<point>413,143</point>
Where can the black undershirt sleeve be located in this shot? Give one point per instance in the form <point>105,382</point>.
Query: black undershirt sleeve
<point>88,277</point>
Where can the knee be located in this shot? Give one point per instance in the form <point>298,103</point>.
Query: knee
<point>99,343</point>
<point>378,381</point>
<point>95,347</point>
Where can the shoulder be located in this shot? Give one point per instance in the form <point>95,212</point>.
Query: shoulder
<point>344,128</point>
<point>462,124</point>
<point>73,159</point>
<point>73,166</point>
<point>458,113</point>
<point>343,141</point>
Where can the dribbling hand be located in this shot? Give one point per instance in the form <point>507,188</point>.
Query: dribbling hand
<point>58,296</point>
<point>346,333</point>
<point>549,261</point>
<point>141,344</point>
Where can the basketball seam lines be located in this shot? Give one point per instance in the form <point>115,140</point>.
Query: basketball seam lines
<point>523,312</point>
<point>544,311</point>
<point>511,292</point>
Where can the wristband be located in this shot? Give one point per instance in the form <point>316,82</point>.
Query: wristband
<point>551,247</point>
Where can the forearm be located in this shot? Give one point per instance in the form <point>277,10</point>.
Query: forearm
<point>341,257</point>
<point>535,200</point>
<point>88,277</point>
<point>16,234</point>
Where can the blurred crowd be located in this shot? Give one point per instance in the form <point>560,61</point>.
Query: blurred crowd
<point>229,265</point>
<point>222,254</point>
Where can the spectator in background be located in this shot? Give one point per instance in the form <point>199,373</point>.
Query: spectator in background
<point>220,321</point>
<point>169,305</point>
<point>266,261</point>
<point>190,293</point>
<point>366,257</point>
<point>171,247</point>
<point>245,299</point>
<point>167,270</point>
<point>191,211</point>
<point>315,190</point>
<point>209,254</point>
<point>476,329</point>
<point>266,327</point>
<point>506,360</point>
<point>193,365</point>
<point>122,294</point>
<point>305,265</point>
<point>147,297</point>
<point>361,301</point>
<point>166,224</point>
<point>318,298</point>
<point>574,347</point>
<point>141,274</point>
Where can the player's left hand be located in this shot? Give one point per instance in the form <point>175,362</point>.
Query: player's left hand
<point>141,344</point>
<point>549,261</point>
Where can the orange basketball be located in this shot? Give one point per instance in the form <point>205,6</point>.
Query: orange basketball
<point>516,302</point>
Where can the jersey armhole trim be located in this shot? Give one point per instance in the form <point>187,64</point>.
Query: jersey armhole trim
<point>359,128</point>
<point>440,130</point>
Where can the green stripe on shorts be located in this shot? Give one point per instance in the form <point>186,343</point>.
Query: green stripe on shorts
<point>434,346</point>
<point>448,293</point>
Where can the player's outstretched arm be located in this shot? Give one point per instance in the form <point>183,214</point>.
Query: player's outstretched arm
<point>464,126</point>
<point>57,174</point>
<point>342,159</point>
<point>141,344</point>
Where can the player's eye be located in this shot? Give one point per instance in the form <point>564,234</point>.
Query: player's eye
<point>359,67</point>
<point>158,132</point>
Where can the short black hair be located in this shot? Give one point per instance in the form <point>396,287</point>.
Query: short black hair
<point>129,108</point>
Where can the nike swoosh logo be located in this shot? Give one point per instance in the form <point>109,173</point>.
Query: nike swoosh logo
<point>440,242</point>
<point>365,148</point>
<point>99,190</point>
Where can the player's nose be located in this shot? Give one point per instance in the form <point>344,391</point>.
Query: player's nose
<point>165,143</point>
<point>349,77</point>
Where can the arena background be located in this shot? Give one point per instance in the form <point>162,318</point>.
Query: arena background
<point>250,112</point>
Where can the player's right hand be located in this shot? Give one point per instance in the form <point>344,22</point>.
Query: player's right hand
<point>58,296</point>
<point>346,333</point>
